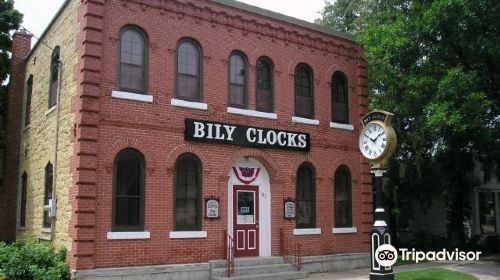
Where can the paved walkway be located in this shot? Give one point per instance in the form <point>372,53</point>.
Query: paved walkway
<point>484,270</point>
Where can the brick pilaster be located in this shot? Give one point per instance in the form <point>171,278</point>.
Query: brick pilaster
<point>84,162</point>
<point>21,45</point>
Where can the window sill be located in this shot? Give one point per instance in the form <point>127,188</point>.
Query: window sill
<point>188,234</point>
<point>344,230</point>
<point>124,235</point>
<point>44,238</point>
<point>52,109</point>
<point>252,113</point>
<point>188,104</point>
<point>46,230</point>
<point>305,121</point>
<point>132,96</point>
<point>307,231</point>
<point>342,126</point>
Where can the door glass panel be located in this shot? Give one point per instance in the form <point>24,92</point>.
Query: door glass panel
<point>246,207</point>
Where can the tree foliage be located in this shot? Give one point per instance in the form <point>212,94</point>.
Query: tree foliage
<point>434,64</point>
<point>10,19</point>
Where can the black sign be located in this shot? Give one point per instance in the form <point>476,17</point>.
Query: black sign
<point>223,133</point>
<point>373,116</point>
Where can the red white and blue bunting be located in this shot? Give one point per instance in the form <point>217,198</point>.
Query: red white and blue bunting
<point>246,174</point>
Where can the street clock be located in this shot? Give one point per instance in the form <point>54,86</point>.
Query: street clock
<point>377,140</point>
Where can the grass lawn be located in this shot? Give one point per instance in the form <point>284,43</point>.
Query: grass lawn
<point>434,274</point>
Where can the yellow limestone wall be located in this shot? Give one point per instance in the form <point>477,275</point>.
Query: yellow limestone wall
<point>38,140</point>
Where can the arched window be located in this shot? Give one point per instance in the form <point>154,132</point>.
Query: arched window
<point>237,80</point>
<point>47,196</point>
<point>264,86</point>
<point>187,201</point>
<point>304,94</point>
<point>340,98</point>
<point>128,191</point>
<point>188,71</point>
<point>306,197</point>
<point>132,67</point>
<point>24,191</point>
<point>343,198</point>
<point>54,76</point>
<point>27,108</point>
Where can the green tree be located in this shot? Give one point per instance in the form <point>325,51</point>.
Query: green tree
<point>432,63</point>
<point>10,19</point>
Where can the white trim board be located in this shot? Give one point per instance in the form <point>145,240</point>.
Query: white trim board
<point>188,104</point>
<point>124,235</point>
<point>305,121</point>
<point>342,126</point>
<point>252,113</point>
<point>344,230</point>
<point>188,234</point>
<point>132,96</point>
<point>307,231</point>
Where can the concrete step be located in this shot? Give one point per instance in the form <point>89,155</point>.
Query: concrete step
<point>252,270</point>
<point>248,261</point>
<point>288,275</point>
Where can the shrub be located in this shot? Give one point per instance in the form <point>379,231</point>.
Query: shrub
<point>32,261</point>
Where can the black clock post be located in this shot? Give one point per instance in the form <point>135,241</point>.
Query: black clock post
<point>380,234</point>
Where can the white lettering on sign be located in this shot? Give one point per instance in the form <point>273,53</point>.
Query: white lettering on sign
<point>243,135</point>
<point>229,130</point>
<point>199,130</point>
<point>282,138</point>
<point>302,141</point>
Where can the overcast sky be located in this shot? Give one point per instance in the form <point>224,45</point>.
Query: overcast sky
<point>38,13</point>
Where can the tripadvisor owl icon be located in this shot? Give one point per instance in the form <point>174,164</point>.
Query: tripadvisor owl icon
<point>386,255</point>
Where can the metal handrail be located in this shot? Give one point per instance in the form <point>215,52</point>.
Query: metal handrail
<point>295,256</point>
<point>229,254</point>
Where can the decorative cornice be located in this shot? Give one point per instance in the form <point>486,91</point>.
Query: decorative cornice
<point>315,40</point>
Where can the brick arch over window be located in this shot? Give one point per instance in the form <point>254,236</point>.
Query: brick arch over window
<point>294,166</point>
<point>176,152</point>
<point>259,155</point>
<point>131,143</point>
<point>201,39</point>
<point>349,163</point>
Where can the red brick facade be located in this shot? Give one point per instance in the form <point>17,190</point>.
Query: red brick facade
<point>21,45</point>
<point>105,125</point>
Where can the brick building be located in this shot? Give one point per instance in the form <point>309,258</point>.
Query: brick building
<point>146,133</point>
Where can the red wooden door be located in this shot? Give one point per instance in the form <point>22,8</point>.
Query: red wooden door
<point>246,221</point>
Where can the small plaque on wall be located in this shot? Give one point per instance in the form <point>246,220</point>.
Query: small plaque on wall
<point>289,209</point>
<point>212,208</point>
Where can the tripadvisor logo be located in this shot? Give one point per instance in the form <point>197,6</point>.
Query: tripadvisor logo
<point>387,255</point>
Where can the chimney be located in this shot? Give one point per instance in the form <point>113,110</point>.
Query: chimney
<point>21,45</point>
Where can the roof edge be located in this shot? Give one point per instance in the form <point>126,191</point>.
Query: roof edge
<point>284,18</point>
<point>51,23</point>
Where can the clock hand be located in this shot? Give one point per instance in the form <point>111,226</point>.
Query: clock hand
<point>373,140</point>
<point>378,136</point>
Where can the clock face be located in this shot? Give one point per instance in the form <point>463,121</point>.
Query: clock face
<point>373,141</point>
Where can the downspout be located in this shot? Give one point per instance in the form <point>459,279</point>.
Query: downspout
<point>56,147</point>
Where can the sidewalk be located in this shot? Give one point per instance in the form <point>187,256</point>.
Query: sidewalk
<point>484,270</point>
